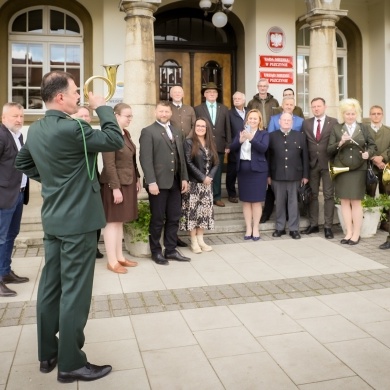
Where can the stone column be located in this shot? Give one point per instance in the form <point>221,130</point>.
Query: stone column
<point>323,74</point>
<point>139,66</point>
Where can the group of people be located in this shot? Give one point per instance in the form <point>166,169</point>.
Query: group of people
<point>271,151</point>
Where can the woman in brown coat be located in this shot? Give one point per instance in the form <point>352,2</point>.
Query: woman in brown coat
<point>120,185</point>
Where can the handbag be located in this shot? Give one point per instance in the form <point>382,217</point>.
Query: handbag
<point>305,194</point>
<point>371,178</point>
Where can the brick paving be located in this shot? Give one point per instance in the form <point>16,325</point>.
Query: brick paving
<point>21,313</point>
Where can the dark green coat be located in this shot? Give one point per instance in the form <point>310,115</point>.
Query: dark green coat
<point>54,155</point>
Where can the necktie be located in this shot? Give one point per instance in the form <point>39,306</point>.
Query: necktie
<point>212,113</point>
<point>318,133</point>
<point>169,132</point>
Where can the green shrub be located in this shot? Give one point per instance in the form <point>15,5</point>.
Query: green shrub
<point>139,228</point>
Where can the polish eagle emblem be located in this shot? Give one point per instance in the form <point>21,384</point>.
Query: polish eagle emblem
<point>276,40</point>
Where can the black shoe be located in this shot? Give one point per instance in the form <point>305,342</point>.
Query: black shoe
<point>158,258</point>
<point>13,278</point>
<point>176,256</point>
<point>264,218</point>
<point>278,233</point>
<point>233,199</point>
<point>47,366</point>
<point>328,233</point>
<point>181,243</point>
<point>5,291</point>
<point>295,234</point>
<point>310,230</point>
<point>99,255</point>
<point>385,245</point>
<point>350,242</point>
<point>344,241</point>
<point>90,372</point>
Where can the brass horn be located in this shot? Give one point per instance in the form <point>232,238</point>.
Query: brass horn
<point>110,81</point>
<point>334,171</point>
<point>386,174</point>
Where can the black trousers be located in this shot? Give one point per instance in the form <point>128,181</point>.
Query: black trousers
<point>231,177</point>
<point>269,202</point>
<point>165,211</point>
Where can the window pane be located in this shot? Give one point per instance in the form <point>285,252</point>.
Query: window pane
<point>20,23</point>
<point>340,65</point>
<point>72,27</point>
<point>57,54</point>
<point>19,76</point>
<point>339,41</point>
<point>35,78</point>
<point>19,96</point>
<point>34,99</point>
<point>19,53</point>
<point>73,55</point>
<point>76,75</point>
<point>57,20</point>
<point>35,52</point>
<point>300,41</point>
<point>307,36</point>
<point>35,21</point>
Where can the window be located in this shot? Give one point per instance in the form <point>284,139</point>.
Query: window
<point>42,39</point>
<point>170,75</point>
<point>212,72</point>
<point>303,50</point>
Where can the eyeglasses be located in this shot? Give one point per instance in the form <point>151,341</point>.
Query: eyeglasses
<point>202,126</point>
<point>376,113</point>
<point>126,116</point>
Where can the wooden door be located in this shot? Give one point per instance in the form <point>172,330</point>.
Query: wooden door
<point>193,71</point>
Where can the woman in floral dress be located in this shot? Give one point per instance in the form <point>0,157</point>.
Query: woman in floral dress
<point>197,203</point>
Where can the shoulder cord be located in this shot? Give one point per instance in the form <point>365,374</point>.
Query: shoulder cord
<point>90,175</point>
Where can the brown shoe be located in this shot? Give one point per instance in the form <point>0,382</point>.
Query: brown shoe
<point>127,263</point>
<point>219,203</point>
<point>5,291</point>
<point>233,199</point>
<point>117,268</point>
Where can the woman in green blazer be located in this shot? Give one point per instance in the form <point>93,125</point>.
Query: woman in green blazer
<point>351,145</point>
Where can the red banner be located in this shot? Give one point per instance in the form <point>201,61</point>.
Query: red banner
<point>276,62</point>
<point>278,77</point>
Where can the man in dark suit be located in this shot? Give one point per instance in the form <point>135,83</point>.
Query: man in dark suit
<point>289,167</point>
<point>165,178</point>
<point>237,118</point>
<point>61,154</point>
<point>317,131</point>
<point>13,193</point>
<point>218,115</point>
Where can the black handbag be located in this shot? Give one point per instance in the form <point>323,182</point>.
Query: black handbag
<point>371,178</point>
<point>305,194</point>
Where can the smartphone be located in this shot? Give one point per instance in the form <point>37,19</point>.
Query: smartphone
<point>247,128</point>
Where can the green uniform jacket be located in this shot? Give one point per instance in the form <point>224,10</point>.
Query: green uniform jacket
<point>382,141</point>
<point>54,155</point>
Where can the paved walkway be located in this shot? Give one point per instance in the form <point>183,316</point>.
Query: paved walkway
<point>275,314</point>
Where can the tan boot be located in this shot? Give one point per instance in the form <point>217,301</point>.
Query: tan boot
<point>202,244</point>
<point>195,246</point>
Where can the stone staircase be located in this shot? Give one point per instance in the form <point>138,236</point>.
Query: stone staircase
<point>228,219</point>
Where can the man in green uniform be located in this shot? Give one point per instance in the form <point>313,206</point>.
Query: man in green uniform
<point>60,153</point>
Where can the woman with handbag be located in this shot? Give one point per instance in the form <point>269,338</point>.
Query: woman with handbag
<point>351,145</point>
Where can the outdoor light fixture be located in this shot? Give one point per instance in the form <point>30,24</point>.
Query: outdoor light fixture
<point>220,7</point>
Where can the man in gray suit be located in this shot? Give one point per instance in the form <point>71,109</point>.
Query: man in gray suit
<point>13,193</point>
<point>165,178</point>
<point>218,115</point>
<point>317,131</point>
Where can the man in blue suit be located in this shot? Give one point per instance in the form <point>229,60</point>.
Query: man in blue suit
<point>288,105</point>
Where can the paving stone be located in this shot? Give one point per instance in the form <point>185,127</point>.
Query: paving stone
<point>137,302</point>
<point>189,305</point>
<point>138,310</point>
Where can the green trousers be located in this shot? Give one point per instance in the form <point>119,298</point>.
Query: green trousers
<point>64,298</point>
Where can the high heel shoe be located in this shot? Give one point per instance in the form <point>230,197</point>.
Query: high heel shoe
<point>127,263</point>
<point>117,268</point>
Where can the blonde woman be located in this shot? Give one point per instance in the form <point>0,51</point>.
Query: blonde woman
<point>120,185</point>
<point>351,145</point>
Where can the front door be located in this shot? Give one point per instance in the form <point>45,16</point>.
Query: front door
<point>193,71</point>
